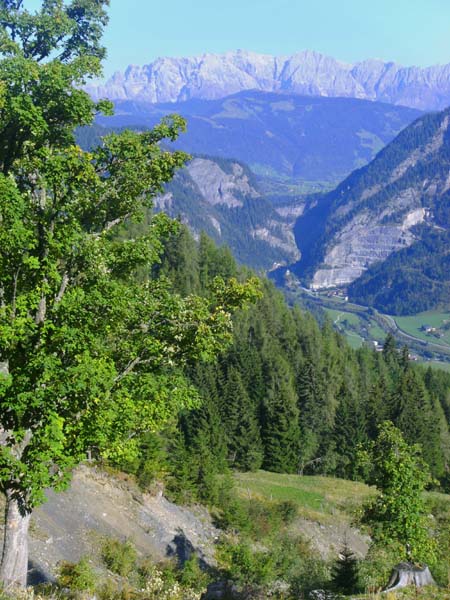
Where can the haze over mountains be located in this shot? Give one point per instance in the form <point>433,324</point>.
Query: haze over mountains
<point>213,76</point>
<point>300,137</point>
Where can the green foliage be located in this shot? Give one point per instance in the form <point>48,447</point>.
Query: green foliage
<point>119,557</point>
<point>244,565</point>
<point>292,394</point>
<point>344,576</point>
<point>94,341</point>
<point>77,577</point>
<point>398,515</point>
<point>192,576</point>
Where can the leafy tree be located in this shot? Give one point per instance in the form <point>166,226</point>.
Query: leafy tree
<point>91,352</point>
<point>398,512</point>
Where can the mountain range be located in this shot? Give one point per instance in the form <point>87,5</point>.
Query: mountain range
<point>312,139</point>
<point>212,76</point>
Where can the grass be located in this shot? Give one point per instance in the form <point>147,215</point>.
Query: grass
<point>413,325</point>
<point>319,499</point>
<point>349,324</point>
<point>435,364</point>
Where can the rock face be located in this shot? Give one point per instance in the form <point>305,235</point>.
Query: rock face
<point>211,76</point>
<point>400,199</point>
<point>362,242</point>
<point>221,198</point>
<point>72,524</point>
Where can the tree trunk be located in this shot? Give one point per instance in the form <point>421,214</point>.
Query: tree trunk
<point>14,563</point>
<point>406,574</point>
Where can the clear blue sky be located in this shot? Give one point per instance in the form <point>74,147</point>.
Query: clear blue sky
<point>406,31</point>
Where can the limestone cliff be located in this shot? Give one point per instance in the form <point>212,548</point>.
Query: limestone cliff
<point>401,199</point>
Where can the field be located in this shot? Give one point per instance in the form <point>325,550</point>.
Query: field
<point>439,320</point>
<point>349,324</point>
<point>318,498</point>
<point>358,328</point>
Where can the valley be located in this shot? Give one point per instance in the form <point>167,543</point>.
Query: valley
<point>426,334</point>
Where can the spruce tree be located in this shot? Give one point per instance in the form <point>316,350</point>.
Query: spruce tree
<point>240,420</point>
<point>349,433</point>
<point>345,575</point>
<point>416,420</point>
<point>280,418</point>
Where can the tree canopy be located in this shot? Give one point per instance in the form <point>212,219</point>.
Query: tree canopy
<point>92,343</point>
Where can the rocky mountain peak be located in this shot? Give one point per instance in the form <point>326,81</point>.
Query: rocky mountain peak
<point>213,76</point>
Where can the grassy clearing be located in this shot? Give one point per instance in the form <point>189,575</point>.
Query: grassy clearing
<point>349,324</point>
<point>413,325</point>
<point>319,499</point>
<point>376,333</point>
<point>435,364</point>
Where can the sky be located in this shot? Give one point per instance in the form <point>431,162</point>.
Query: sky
<point>410,32</point>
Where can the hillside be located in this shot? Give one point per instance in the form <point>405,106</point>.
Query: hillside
<point>222,198</point>
<point>304,138</point>
<point>100,505</point>
<point>212,76</point>
<point>388,224</point>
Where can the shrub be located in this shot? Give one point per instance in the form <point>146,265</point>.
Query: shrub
<point>119,557</point>
<point>77,576</point>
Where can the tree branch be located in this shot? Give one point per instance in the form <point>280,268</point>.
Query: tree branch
<point>64,283</point>
<point>128,369</point>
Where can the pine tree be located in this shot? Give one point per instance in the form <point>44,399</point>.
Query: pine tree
<point>345,575</point>
<point>241,425</point>
<point>280,422</point>
<point>314,420</point>
<point>349,433</point>
<point>416,420</point>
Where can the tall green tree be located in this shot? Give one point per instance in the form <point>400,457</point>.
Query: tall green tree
<point>90,351</point>
<point>280,418</point>
<point>240,420</point>
<point>398,513</point>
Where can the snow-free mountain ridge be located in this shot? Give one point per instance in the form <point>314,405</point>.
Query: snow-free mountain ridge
<point>212,76</point>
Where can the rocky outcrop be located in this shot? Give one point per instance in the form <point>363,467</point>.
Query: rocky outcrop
<point>211,76</point>
<point>362,242</point>
<point>73,524</point>
<point>218,187</point>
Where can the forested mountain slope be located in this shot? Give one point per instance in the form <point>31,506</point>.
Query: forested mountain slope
<point>290,395</point>
<point>221,197</point>
<point>297,137</point>
<point>389,221</point>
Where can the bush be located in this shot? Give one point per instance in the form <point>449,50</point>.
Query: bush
<point>288,511</point>
<point>192,576</point>
<point>244,565</point>
<point>77,576</point>
<point>119,557</point>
